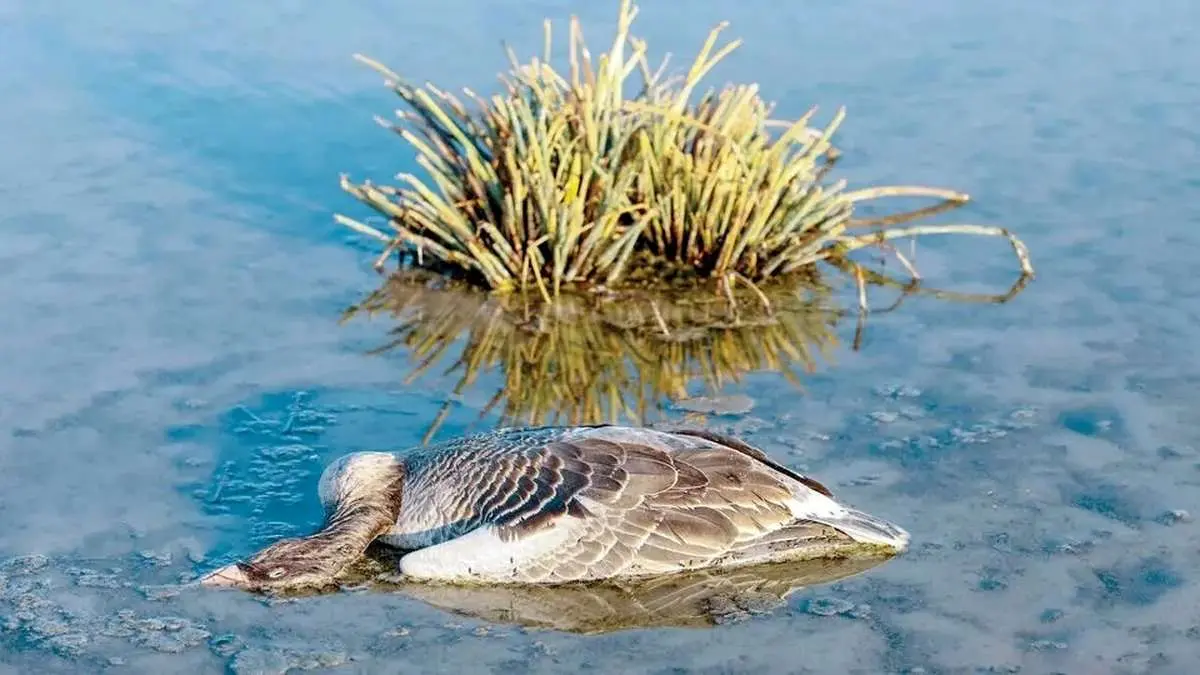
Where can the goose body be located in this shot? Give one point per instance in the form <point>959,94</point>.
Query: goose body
<point>559,504</point>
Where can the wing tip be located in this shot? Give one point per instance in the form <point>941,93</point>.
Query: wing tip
<point>868,529</point>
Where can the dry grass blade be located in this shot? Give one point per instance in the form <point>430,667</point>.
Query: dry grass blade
<point>908,191</point>
<point>905,217</point>
<point>848,243</point>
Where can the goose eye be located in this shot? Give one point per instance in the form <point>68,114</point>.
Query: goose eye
<point>275,573</point>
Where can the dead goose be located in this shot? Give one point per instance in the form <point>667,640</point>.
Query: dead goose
<point>559,504</point>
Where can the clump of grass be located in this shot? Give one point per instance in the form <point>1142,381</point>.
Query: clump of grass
<point>583,360</point>
<point>568,181</point>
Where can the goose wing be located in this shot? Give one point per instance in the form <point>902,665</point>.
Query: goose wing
<point>618,501</point>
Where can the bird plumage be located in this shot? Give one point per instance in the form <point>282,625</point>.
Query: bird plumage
<point>557,504</point>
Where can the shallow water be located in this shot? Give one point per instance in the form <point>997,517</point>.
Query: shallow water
<point>175,378</point>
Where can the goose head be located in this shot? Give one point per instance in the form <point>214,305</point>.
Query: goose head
<point>361,495</point>
<point>285,565</point>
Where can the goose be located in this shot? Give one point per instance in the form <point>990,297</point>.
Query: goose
<point>559,504</point>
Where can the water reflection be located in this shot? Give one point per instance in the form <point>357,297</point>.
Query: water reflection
<point>694,600</point>
<point>580,360</point>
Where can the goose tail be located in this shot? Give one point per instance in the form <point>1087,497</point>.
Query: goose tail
<point>867,529</point>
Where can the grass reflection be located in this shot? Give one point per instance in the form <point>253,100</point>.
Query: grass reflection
<point>583,360</point>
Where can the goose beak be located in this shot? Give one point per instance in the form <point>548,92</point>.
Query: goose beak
<point>230,575</point>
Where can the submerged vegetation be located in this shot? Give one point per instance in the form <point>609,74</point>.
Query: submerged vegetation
<point>567,181</point>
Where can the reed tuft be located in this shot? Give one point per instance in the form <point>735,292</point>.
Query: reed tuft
<point>613,174</point>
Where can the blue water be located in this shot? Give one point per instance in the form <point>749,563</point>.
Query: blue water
<point>174,376</point>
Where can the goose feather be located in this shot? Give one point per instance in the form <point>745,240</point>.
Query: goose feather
<point>554,505</point>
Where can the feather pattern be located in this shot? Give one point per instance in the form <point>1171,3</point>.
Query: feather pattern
<point>555,504</point>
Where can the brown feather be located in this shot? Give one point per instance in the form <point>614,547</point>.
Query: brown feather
<point>749,450</point>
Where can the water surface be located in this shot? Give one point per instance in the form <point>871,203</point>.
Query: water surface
<point>174,376</point>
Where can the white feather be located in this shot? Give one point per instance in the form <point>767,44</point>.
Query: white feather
<point>481,555</point>
<point>862,527</point>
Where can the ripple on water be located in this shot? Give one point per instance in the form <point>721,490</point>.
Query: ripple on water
<point>1113,501</point>
<point>42,613</point>
<point>39,610</point>
<point>1141,582</point>
<point>265,481</point>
